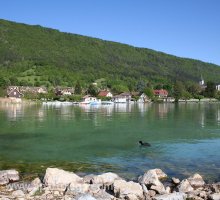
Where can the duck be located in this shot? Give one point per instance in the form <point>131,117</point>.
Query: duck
<point>145,144</point>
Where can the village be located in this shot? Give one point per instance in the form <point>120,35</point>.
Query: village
<point>68,94</point>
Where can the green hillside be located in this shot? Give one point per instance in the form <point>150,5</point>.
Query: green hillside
<point>34,55</point>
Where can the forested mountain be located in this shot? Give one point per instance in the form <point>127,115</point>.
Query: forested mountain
<point>34,55</point>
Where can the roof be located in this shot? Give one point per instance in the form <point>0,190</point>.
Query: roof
<point>125,94</point>
<point>161,92</point>
<point>103,93</point>
<point>14,90</point>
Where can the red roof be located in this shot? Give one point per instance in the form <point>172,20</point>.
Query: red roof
<point>103,93</point>
<point>161,92</point>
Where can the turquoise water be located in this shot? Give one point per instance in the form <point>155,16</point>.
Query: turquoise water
<point>185,138</point>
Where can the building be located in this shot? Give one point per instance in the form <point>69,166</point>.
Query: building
<point>14,93</point>
<point>89,100</point>
<point>218,87</point>
<point>64,91</point>
<point>143,99</point>
<point>33,90</point>
<point>105,94</point>
<point>119,99</point>
<point>161,93</point>
<point>122,98</point>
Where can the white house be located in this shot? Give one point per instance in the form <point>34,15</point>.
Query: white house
<point>89,100</point>
<point>218,87</point>
<point>143,99</point>
<point>105,94</point>
<point>119,99</point>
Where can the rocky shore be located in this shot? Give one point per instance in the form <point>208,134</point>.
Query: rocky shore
<point>64,185</point>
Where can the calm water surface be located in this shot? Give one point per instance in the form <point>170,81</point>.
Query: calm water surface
<point>185,138</point>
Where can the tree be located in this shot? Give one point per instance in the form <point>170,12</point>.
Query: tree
<point>194,89</point>
<point>78,88</point>
<point>149,92</point>
<point>93,90</point>
<point>2,82</point>
<point>141,85</point>
<point>210,90</point>
<point>178,90</point>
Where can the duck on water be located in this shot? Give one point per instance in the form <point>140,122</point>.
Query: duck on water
<point>144,144</point>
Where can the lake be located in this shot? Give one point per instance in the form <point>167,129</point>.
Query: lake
<point>185,138</point>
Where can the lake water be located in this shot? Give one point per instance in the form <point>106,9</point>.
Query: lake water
<point>185,138</point>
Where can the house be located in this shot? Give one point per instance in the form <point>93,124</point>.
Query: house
<point>14,93</point>
<point>33,90</point>
<point>119,99</point>
<point>218,87</point>
<point>202,84</point>
<point>89,100</point>
<point>122,98</point>
<point>105,94</point>
<point>64,91</point>
<point>143,99</point>
<point>161,93</point>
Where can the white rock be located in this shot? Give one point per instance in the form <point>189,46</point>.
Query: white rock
<point>18,194</point>
<point>95,188</point>
<point>152,193</point>
<point>102,195</point>
<point>145,189</point>
<point>160,173</point>
<point>158,188</point>
<point>35,186</point>
<point>185,186</point>
<point>173,196</point>
<point>77,188</point>
<point>196,180</point>
<point>215,196</point>
<point>168,189</point>
<point>86,197</point>
<point>150,178</point>
<point>175,180</point>
<point>106,178</point>
<point>128,190</point>
<point>7,176</point>
<point>58,179</point>
<point>203,194</point>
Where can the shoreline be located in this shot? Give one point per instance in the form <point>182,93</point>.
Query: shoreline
<point>154,184</point>
<point>32,101</point>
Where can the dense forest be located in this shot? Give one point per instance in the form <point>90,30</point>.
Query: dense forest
<point>34,55</point>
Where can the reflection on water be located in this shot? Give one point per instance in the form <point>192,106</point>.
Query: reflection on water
<point>184,137</point>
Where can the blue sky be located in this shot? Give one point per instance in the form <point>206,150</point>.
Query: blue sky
<point>185,28</point>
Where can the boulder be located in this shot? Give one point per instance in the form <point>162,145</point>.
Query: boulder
<point>203,194</point>
<point>95,188</point>
<point>18,194</point>
<point>128,190</point>
<point>158,188</point>
<point>151,193</point>
<point>7,176</point>
<point>215,196</point>
<point>160,174</point>
<point>102,195</point>
<point>173,196</point>
<point>185,186</point>
<point>105,179</point>
<point>150,178</point>
<point>175,180</point>
<point>77,188</point>
<point>196,181</point>
<point>85,197</point>
<point>88,178</point>
<point>58,179</point>
<point>34,186</point>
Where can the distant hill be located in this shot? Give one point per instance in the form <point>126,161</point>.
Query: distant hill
<point>38,55</point>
